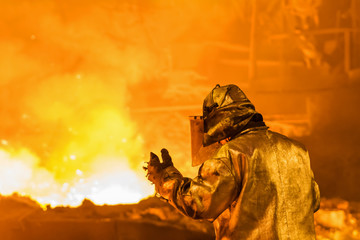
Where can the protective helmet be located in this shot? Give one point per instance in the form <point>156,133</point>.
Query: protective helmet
<point>226,111</point>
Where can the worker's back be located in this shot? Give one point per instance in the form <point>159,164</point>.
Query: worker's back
<point>278,193</point>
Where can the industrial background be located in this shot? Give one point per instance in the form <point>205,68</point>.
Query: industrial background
<point>89,88</point>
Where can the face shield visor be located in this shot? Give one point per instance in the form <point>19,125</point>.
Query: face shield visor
<point>199,153</point>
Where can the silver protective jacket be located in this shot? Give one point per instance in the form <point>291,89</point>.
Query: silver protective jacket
<point>259,185</point>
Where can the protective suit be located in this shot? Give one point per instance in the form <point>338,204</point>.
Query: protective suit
<point>258,185</point>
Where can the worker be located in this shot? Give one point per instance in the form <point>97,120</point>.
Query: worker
<point>252,183</point>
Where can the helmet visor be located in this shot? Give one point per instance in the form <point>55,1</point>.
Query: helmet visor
<point>199,153</point>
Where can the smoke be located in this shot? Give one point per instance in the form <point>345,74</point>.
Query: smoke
<point>68,71</point>
<point>66,81</point>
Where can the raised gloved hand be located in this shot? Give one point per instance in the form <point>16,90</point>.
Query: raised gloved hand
<point>155,168</point>
<point>163,172</point>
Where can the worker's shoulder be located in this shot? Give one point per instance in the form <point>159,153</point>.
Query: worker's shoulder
<point>257,138</point>
<point>278,137</point>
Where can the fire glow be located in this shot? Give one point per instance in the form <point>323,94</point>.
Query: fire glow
<point>94,153</point>
<point>106,178</point>
<point>66,131</point>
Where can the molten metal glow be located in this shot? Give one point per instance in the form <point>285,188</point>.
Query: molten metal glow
<point>111,181</point>
<point>69,75</point>
<point>95,164</point>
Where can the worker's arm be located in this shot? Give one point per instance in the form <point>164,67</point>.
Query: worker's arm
<point>205,196</point>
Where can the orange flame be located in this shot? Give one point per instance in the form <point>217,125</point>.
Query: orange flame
<point>109,181</point>
<point>96,164</point>
<point>65,73</point>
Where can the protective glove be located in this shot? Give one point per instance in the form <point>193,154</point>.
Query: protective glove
<point>155,168</point>
<point>157,172</point>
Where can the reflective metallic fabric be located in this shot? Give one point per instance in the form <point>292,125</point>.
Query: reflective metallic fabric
<point>259,185</point>
<point>226,112</point>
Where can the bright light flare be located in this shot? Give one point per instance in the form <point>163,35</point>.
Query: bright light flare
<point>101,163</point>
<point>112,181</point>
<point>117,183</point>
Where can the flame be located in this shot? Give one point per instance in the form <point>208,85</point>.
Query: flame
<point>111,181</point>
<point>67,133</point>
<point>96,164</point>
<point>66,70</point>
